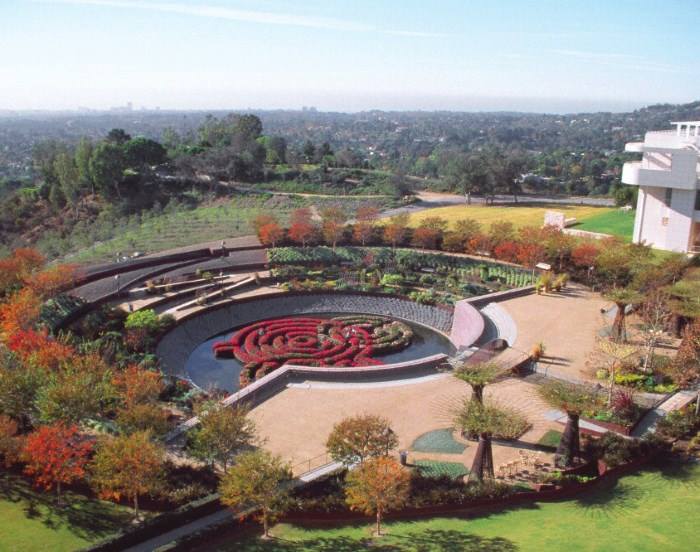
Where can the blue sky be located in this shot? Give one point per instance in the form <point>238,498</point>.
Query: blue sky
<point>533,55</point>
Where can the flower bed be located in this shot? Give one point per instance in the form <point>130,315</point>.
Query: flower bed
<point>340,341</point>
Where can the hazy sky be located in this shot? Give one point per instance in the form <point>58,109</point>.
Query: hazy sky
<point>536,55</point>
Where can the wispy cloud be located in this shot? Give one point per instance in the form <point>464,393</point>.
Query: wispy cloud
<point>248,16</point>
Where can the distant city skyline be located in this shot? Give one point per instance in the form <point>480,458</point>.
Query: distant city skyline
<point>540,56</point>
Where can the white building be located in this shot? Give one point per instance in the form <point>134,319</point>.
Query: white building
<point>668,207</point>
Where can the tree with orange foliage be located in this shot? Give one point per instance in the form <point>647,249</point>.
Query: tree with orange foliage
<point>53,280</point>
<point>56,455</point>
<point>426,237</point>
<point>10,442</point>
<point>263,219</point>
<point>377,486</point>
<point>366,217</point>
<point>332,225</point>
<point>138,386</point>
<point>395,230</point>
<point>270,234</point>
<point>77,391</point>
<point>129,466</point>
<point>16,268</point>
<point>19,312</point>
<point>39,349</point>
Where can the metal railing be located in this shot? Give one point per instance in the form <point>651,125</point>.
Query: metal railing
<point>311,464</point>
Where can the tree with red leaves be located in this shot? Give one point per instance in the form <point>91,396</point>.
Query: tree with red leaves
<point>263,219</point>
<point>584,255</point>
<point>56,455</point>
<point>39,349</point>
<point>529,254</point>
<point>506,251</point>
<point>426,237</point>
<point>270,234</point>
<point>301,232</point>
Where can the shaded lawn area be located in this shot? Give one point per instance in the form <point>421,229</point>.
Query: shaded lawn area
<point>615,222</point>
<point>652,510</point>
<point>30,520</point>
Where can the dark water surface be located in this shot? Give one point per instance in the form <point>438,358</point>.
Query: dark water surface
<point>207,371</point>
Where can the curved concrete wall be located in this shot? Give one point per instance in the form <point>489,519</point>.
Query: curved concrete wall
<point>176,346</point>
<point>467,325</point>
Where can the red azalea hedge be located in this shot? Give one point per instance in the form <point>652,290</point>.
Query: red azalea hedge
<point>341,341</point>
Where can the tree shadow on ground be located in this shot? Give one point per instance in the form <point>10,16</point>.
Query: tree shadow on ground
<point>611,499</point>
<point>86,517</point>
<point>431,540</point>
<point>674,472</point>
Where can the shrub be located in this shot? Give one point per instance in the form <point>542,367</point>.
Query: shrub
<point>679,424</point>
<point>623,405</point>
<point>143,319</point>
<point>615,450</point>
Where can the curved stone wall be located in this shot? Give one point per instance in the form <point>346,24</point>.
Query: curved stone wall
<point>175,347</point>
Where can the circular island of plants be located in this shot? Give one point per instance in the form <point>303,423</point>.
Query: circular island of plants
<point>350,340</point>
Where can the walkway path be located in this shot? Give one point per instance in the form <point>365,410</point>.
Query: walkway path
<point>674,402</point>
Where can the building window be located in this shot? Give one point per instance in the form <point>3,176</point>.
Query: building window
<point>668,197</point>
<point>697,200</point>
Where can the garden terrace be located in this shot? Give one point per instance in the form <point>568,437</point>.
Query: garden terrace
<point>105,286</point>
<point>425,277</point>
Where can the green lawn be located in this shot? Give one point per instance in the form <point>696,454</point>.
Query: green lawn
<point>31,520</point>
<point>550,439</point>
<point>433,468</point>
<point>650,511</point>
<point>439,440</point>
<point>520,215</point>
<point>615,222</point>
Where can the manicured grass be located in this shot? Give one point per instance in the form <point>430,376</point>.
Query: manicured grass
<point>615,222</point>
<point>519,215</point>
<point>31,520</point>
<point>439,440</point>
<point>433,468</point>
<point>646,512</point>
<point>550,439</point>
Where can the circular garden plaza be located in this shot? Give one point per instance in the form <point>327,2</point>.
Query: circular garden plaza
<point>446,383</point>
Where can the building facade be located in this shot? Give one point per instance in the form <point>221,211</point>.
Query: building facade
<point>668,206</point>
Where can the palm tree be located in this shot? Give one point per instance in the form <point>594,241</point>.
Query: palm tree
<point>622,297</point>
<point>572,399</point>
<point>482,421</point>
<point>477,374</point>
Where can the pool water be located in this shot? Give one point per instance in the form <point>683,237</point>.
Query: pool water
<point>208,372</point>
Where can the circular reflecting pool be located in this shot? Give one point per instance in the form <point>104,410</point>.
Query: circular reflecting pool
<point>209,372</point>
